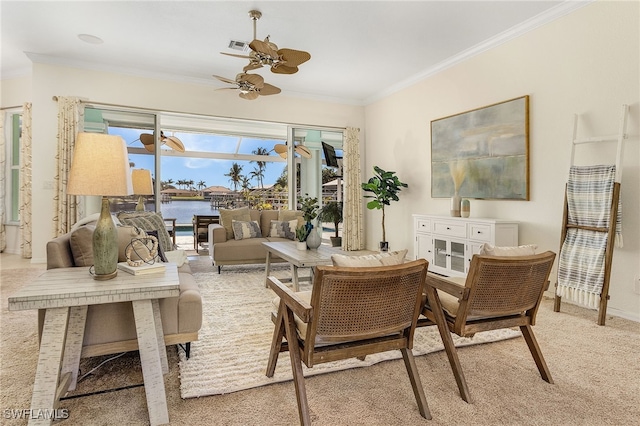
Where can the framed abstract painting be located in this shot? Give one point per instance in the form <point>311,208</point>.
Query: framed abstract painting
<point>482,153</point>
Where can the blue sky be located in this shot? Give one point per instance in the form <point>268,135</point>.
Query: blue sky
<point>202,169</point>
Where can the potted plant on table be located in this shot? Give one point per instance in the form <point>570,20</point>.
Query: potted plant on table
<point>301,236</point>
<point>309,208</point>
<point>332,212</point>
<point>385,187</point>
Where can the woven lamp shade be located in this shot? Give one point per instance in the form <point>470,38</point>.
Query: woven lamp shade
<point>142,182</point>
<point>100,166</point>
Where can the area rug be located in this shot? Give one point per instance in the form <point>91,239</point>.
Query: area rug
<point>234,341</point>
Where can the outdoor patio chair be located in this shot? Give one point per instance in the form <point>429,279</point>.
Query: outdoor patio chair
<point>349,313</point>
<point>201,229</point>
<point>498,292</point>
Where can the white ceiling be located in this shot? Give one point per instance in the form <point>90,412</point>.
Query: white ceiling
<point>360,50</point>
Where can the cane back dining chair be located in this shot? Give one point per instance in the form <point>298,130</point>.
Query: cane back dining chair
<point>498,292</point>
<point>350,312</point>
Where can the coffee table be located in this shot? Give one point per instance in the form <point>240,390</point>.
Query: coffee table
<point>302,258</point>
<point>65,294</point>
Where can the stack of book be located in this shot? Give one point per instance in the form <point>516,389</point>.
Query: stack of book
<point>145,268</point>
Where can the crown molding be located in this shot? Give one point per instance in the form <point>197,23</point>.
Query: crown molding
<point>531,24</point>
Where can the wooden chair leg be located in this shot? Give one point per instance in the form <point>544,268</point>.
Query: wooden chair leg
<point>416,384</point>
<point>296,367</point>
<point>276,342</point>
<point>449,347</point>
<point>529,337</point>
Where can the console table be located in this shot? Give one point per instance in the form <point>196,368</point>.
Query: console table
<point>449,243</point>
<point>65,294</point>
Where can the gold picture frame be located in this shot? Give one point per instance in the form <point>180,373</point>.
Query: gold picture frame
<point>482,153</point>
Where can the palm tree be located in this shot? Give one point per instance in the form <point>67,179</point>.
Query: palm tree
<point>258,175</point>
<point>262,165</point>
<point>189,183</point>
<point>201,184</point>
<point>235,175</point>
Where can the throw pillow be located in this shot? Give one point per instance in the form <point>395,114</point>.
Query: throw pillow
<point>227,216</point>
<point>160,249</point>
<point>283,229</point>
<point>81,242</point>
<point>149,221</point>
<point>243,230</point>
<point>125,235</point>
<point>524,250</point>
<point>287,215</point>
<point>379,259</point>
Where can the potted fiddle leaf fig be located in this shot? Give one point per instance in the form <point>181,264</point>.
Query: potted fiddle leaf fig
<point>332,212</point>
<point>384,187</point>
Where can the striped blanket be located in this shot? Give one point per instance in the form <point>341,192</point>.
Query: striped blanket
<point>581,260</point>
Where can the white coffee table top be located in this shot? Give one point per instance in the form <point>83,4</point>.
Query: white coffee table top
<point>65,287</point>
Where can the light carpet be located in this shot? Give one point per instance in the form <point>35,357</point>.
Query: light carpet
<point>234,341</point>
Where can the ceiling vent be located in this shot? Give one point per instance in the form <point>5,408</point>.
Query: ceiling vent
<point>242,46</point>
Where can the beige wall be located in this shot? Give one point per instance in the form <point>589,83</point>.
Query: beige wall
<point>586,63</point>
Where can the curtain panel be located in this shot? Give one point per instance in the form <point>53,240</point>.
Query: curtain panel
<point>353,223</point>
<point>67,209</point>
<point>26,170</point>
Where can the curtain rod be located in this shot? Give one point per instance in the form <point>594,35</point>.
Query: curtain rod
<point>11,107</point>
<point>55,98</point>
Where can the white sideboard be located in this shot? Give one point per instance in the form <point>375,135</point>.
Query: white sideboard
<point>448,243</point>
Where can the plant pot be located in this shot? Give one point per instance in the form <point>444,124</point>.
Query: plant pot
<point>301,245</point>
<point>336,241</point>
<point>384,245</point>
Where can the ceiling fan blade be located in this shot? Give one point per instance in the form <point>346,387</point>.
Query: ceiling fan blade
<point>254,79</point>
<point>249,96</point>
<point>268,89</point>
<point>236,55</point>
<point>280,149</point>
<point>293,58</point>
<point>283,69</point>
<point>174,143</point>
<point>147,139</point>
<point>226,80</point>
<point>264,48</point>
<point>303,151</point>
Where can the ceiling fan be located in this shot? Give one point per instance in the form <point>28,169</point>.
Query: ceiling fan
<point>281,61</point>
<point>281,150</point>
<point>148,140</point>
<point>251,85</point>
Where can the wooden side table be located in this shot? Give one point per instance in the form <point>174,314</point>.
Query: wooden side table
<point>65,294</point>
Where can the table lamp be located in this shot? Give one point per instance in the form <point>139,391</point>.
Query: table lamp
<point>142,185</point>
<point>100,166</point>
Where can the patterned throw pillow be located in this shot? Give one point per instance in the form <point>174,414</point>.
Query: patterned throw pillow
<point>287,215</point>
<point>283,229</point>
<point>243,230</point>
<point>227,216</point>
<point>149,221</point>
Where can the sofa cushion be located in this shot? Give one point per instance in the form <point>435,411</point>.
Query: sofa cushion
<point>378,259</point>
<point>283,229</point>
<point>149,221</point>
<point>81,243</point>
<point>238,250</point>
<point>243,230</point>
<point>227,216</point>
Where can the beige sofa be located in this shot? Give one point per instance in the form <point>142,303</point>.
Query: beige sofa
<point>110,328</point>
<point>226,250</point>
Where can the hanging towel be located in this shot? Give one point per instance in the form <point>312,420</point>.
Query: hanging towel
<point>581,260</point>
